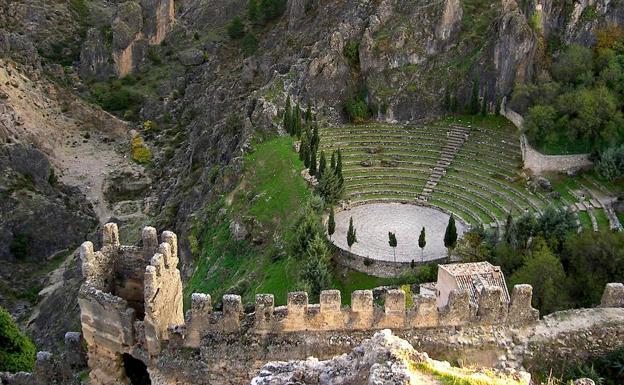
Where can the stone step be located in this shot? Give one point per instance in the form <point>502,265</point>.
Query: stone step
<point>427,190</point>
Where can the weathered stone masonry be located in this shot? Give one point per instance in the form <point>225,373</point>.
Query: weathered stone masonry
<point>131,304</point>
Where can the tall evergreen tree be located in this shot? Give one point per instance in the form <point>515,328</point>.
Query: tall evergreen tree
<point>329,187</point>
<point>297,121</point>
<point>322,164</point>
<point>351,234</point>
<point>339,166</point>
<point>450,235</point>
<point>453,103</point>
<point>392,241</point>
<point>313,168</point>
<point>474,99</point>
<point>316,139</point>
<point>304,148</point>
<point>422,242</point>
<point>315,271</point>
<point>447,100</point>
<point>253,11</point>
<point>332,163</point>
<point>287,117</point>
<point>331,223</point>
<point>308,115</point>
<point>497,106</point>
<point>484,106</point>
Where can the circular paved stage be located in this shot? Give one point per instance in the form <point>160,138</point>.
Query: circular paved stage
<point>374,221</point>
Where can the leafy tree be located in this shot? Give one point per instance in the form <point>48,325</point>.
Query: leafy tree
<point>287,118</point>
<point>331,223</point>
<point>351,234</point>
<point>543,271</point>
<point>236,28</point>
<point>592,261</point>
<point>575,61</point>
<point>471,247</point>
<point>540,122</point>
<point>322,165</point>
<point>392,241</point>
<point>554,224</point>
<point>17,352</point>
<point>526,227</point>
<point>357,110</point>
<point>610,163</point>
<point>450,235</point>
<point>422,242</point>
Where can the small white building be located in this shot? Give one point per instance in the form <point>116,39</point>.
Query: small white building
<point>471,277</point>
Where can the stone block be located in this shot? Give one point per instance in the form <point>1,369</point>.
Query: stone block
<point>362,301</point>
<point>520,309</point>
<point>232,312</point>
<point>330,301</point>
<point>150,241</point>
<point>201,304</point>
<point>491,308</point>
<point>110,235</point>
<point>265,305</point>
<point>457,310</point>
<point>613,295</point>
<point>395,302</point>
<point>425,312</point>
<point>297,303</point>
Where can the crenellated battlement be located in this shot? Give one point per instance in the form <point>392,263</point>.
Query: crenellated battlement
<point>131,303</point>
<point>363,314</point>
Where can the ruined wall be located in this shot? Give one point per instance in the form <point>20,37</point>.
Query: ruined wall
<point>538,162</point>
<point>130,297</point>
<point>228,345</point>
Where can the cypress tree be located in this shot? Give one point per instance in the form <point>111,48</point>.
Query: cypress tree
<point>453,103</point>
<point>484,106</point>
<point>351,234</point>
<point>339,169</point>
<point>422,242</point>
<point>392,241</point>
<point>450,235</point>
<point>331,223</point>
<point>497,106</point>
<point>308,115</point>
<point>287,117</point>
<point>297,121</point>
<point>303,149</point>
<point>316,139</point>
<point>332,163</point>
<point>313,168</point>
<point>322,164</point>
<point>474,99</point>
<point>447,100</point>
<point>329,187</point>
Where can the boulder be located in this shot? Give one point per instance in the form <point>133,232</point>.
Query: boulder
<point>191,57</point>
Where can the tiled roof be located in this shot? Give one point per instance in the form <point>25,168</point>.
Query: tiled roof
<point>472,277</point>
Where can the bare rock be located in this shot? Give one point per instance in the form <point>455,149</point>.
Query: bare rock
<point>191,57</point>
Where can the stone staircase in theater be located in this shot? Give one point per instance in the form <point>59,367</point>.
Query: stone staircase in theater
<point>456,138</point>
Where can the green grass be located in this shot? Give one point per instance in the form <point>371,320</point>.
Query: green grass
<point>602,220</point>
<point>585,220</point>
<point>489,122</point>
<point>271,191</point>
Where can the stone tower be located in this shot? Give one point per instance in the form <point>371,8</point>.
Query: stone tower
<point>130,298</point>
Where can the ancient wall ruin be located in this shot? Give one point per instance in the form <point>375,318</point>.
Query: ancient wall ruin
<point>131,306</point>
<point>538,162</point>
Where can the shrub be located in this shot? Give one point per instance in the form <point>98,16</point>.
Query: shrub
<point>17,352</point>
<point>236,28</point>
<point>351,52</point>
<point>140,152</point>
<point>611,163</point>
<point>19,246</point>
<point>368,261</point>
<point>272,9</point>
<point>357,109</point>
<point>250,44</point>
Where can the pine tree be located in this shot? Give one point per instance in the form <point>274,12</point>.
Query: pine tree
<point>450,235</point>
<point>392,241</point>
<point>331,223</point>
<point>474,99</point>
<point>322,164</point>
<point>422,242</point>
<point>329,187</point>
<point>308,115</point>
<point>351,234</point>
<point>287,117</point>
<point>253,11</point>
<point>313,168</point>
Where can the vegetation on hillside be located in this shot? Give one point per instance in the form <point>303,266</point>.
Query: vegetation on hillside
<point>566,269</point>
<point>17,352</point>
<point>578,107</point>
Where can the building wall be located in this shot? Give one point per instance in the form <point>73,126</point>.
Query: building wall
<point>446,283</point>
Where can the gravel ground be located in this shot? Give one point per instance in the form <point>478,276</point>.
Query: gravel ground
<point>373,222</point>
